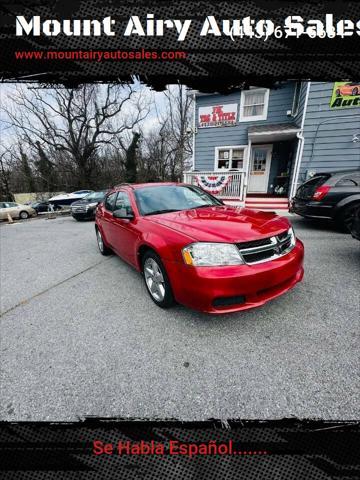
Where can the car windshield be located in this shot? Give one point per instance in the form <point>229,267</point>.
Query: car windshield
<point>95,196</point>
<point>172,198</point>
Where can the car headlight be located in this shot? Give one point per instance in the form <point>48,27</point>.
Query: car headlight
<point>89,206</point>
<point>291,234</point>
<point>211,254</point>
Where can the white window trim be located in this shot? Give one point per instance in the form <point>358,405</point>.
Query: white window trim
<point>295,108</point>
<point>256,117</point>
<point>233,147</point>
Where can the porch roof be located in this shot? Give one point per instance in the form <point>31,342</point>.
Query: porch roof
<point>274,132</point>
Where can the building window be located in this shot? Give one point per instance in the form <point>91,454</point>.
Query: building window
<point>259,161</point>
<point>230,158</point>
<point>254,105</point>
<point>296,100</point>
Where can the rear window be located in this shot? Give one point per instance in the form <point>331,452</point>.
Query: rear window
<point>307,189</point>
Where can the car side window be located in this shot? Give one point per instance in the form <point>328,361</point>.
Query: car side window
<point>346,182</point>
<point>356,179</point>
<point>110,201</point>
<point>123,202</point>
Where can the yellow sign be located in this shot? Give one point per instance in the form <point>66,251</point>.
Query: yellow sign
<point>345,95</point>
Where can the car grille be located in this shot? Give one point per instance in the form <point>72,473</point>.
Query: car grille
<point>266,249</point>
<point>78,209</point>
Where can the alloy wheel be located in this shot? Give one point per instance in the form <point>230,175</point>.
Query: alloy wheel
<point>154,279</point>
<point>100,241</point>
<point>348,217</point>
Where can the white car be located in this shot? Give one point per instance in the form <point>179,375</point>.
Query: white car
<point>16,210</point>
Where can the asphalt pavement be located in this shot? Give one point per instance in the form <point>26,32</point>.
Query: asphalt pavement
<point>81,337</point>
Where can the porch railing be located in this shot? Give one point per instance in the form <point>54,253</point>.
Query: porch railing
<point>234,190</point>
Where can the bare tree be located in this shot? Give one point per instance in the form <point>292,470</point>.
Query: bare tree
<point>76,123</point>
<point>166,148</point>
<point>153,159</point>
<point>175,125</point>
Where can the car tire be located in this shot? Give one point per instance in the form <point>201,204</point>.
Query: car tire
<point>355,91</point>
<point>23,215</point>
<point>104,250</point>
<point>156,280</point>
<point>344,218</point>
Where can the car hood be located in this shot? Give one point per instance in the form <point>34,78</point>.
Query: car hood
<point>223,224</point>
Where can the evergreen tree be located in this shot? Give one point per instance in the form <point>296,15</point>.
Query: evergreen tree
<point>26,171</point>
<point>130,159</point>
<point>46,170</point>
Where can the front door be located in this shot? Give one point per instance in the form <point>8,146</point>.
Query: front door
<point>123,231</point>
<point>107,217</point>
<point>259,168</point>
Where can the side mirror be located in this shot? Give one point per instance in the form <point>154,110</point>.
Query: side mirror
<point>124,214</point>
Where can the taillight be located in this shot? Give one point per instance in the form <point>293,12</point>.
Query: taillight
<point>320,192</point>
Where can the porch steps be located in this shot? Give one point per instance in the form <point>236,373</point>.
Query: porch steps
<point>267,203</point>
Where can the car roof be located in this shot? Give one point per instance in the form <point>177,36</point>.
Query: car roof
<point>136,186</point>
<point>338,172</point>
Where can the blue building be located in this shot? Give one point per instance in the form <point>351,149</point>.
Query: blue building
<point>253,147</point>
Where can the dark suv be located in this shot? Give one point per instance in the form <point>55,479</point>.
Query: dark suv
<point>333,195</point>
<point>84,209</point>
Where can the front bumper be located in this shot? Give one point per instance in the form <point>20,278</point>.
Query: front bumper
<point>88,215</point>
<point>206,288</point>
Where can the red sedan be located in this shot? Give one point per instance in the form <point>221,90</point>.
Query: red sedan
<point>193,249</point>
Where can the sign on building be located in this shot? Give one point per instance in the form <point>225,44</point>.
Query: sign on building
<point>345,95</point>
<point>218,116</point>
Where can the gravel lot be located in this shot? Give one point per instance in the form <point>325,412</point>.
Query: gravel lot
<point>80,336</point>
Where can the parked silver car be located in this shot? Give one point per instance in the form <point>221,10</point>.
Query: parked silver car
<point>16,210</point>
